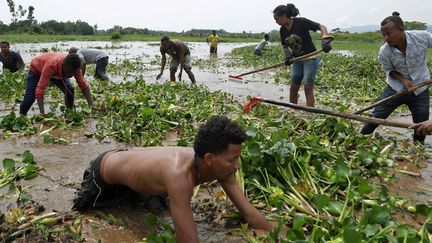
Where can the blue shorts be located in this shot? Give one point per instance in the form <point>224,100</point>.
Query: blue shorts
<point>304,71</point>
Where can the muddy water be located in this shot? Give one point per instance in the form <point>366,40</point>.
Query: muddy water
<point>148,52</point>
<point>63,165</point>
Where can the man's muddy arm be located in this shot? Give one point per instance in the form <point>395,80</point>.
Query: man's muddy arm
<point>162,65</point>
<point>182,61</point>
<point>180,193</point>
<point>255,218</point>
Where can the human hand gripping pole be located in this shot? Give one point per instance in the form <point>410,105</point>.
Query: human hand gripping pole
<point>326,43</point>
<point>288,57</point>
<point>255,101</point>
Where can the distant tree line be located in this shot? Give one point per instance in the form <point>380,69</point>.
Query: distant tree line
<point>23,21</point>
<point>409,25</point>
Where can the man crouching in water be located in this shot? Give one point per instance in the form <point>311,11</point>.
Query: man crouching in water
<point>174,172</point>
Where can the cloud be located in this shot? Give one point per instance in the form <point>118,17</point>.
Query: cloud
<point>343,21</point>
<point>374,10</point>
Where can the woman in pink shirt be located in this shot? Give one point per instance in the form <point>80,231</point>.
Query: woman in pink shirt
<point>57,68</point>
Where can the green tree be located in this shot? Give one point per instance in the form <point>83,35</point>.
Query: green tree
<point>11,5</point>
<point>18,14</point>
<point>415,25</point>
<point>274,35</point>
<point>3,28</point>
<point>30,16</point>
<point>21,12</point>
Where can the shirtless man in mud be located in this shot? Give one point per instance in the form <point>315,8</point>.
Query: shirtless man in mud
<point>174,172</point>
<point>180,54</point>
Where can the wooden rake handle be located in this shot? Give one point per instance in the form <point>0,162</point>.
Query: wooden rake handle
<point>393,97</point>
<point>255,101</point>
<point>300,58</point>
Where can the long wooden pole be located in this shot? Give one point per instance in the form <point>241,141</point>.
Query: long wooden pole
<point>339,114</point>
<point>392,97</point>
<point>277,65</point>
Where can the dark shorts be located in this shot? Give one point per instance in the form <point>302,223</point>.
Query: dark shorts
<point>101,65</point>
<point>96,193</point>
<point>258,52</point>
<point>213,49</point>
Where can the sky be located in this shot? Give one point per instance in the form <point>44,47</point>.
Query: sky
<point>230,15</point>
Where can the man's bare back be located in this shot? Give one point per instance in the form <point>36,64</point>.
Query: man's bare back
<point>173,172</point>
<point>147,170</point>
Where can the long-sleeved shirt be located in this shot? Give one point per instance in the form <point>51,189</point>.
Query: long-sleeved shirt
<point>412,64</point>
<point>13,61</point>
<point>49,65</point>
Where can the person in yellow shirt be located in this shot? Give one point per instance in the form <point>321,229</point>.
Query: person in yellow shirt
<point>213,40</point>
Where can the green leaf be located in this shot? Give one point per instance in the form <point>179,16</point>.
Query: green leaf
<point>23,198</point>
<point>320,201</point>
<point>334,207</point>
<point>343,170</point>
<point>251,131</point>
<point>8,165</point>
<point>254,149</point>
<point>405,231</point>
<point>364,188</point>
<point>380,215</point>
<point>299,221</point>
<point>27,157</point>
<point>352,236</point>
<point>295,235</point>
<point>319,233</point>
<point>333,221</point>
<point>150,219</point>
<point>147,112</point>
<point>425,210</point>
<point>371,229</point>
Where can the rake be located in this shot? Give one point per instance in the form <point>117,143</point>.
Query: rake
<point>393,97</point>
<point>300,58</point>
<point>255,101</point>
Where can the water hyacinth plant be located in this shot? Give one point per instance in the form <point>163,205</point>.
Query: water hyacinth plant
<point>14,171</point>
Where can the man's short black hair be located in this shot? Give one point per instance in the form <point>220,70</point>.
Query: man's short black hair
<point>165,38</point>
<point>4,43</point>
<point>216,135</point>
<point>72,60</point>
